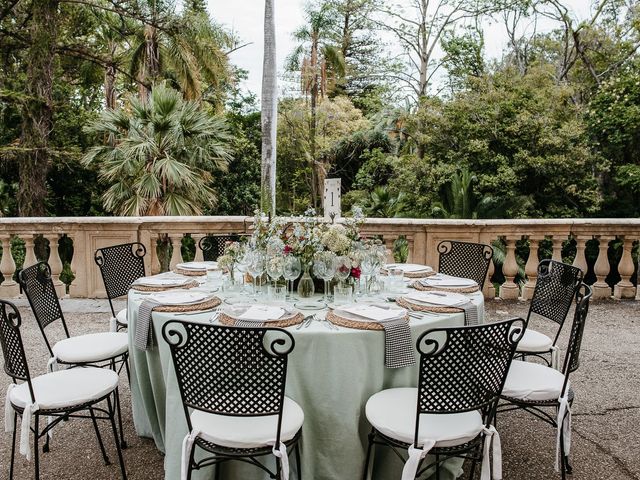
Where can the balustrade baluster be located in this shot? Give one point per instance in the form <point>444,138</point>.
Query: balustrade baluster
<point>55,263</point>
<point>601,289</point>
<point>556,245</point>
<point>9,287</point>
<point>510,289</point>
<point>624,288</point>
<point>489,289</point>
<point>176,254</point>
<point>199,257</point>
<point>580,260</point>
<point>30,254</point>
<point>531,268</point>
<point>78,287</point>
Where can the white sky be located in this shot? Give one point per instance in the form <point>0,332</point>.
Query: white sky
<point>245,17</point>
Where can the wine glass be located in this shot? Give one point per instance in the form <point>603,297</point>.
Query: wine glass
<point>370,263</point>
<point>275,267</point>
<point>324,266</point>
<point>292,269</point>
<point>256,268</point>
<point>243,261</point>
<point>343,268</point>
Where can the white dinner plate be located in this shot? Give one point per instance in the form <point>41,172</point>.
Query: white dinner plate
<point>161,281</point>
<point>196,265</point>
<point>178,297</point>
<point>441,280</point>
<point>359,312</point>
<point>239,312</point>
<point>409,267</point>
<point>441,299</point>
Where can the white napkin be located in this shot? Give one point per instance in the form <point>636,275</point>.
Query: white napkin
<point>409,267</point>
<point>438,298</point>
<point>193,265</point>
<point>262,313</point>
<point>178,297</point>
<point>441,280</point>
<point>163,280</point>
<point>374,313</point>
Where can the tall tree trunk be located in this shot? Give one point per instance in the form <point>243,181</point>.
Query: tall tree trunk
<point>110,95</point>
<point>37,111</point>
<point>151,68</point>
<point>269,112</point>
<point>315,177</point>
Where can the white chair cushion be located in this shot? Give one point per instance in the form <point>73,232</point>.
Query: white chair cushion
<point>393,413</point>
<point>93,347</point>
<point>533,382</point>
<point>248,432</point>
<point>121,316</point>
<point>66,388</point>
<point>533,341</point>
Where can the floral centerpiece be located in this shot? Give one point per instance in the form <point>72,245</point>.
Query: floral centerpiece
<point>227,261</point>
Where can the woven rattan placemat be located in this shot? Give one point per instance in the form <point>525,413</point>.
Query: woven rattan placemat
<point>229,321</point>
<point>190,273</point>
<point>208,304</point>
<point>420,286</point>
<point>425,274</point>
<point>349,323</point>
<point>419,307</point>
<point>162,288</point>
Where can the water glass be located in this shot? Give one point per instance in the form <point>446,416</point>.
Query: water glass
<point>395,280</point>
<point>214,276</point>
<point>277,294</point>
<point>342,295</point>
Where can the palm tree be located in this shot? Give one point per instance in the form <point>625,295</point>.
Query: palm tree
<point>322,67</point>
<point>158,155</point>
<point>186,50</point>
<point>269,112</point>
<point>382,203</point>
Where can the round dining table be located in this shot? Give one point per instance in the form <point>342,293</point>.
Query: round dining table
<point>332,372</point>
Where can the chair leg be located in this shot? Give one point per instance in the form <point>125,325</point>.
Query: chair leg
<point>368,457</point>
<point>278,468</point>
<point>126,366</point>
<point>562,456</point>
<point>190,465</point>
<point>36,453</point>
<point>100,443</point>
<point>13,443</point>
<point>115,435</point>
<point>298,463</point>
<point>123,443</point>
<point>473,467</point>
<point>437,467</point>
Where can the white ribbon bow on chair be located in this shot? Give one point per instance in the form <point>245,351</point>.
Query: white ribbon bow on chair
<point>8,409</point>
<point>492,440</point>
<point>52,364</point>
<point>187,447</point>
<point>564,426</point>
<point>113,324</point>
<point>416,455</point>
<point>281,453</point>
<point>555,357</point>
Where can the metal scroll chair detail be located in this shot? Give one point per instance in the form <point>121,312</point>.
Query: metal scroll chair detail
<point>557,285</point>
<point>232,384</point>
<point>462,371</point>
<point>104,349</point>
<point>537,388</point>
<point>465,259</point>
<point>74,393</point>
<point>213,246</point>
<point>120,266</point>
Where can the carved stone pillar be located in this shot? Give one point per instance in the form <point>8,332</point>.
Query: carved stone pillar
<point>601,289</point>
<point>56,264</point>
<point>510,289</point>
<point>30,254</point>
<point>531,268</point>
<point>176,254</point>
<point>9,287</point>
<point>556,243</point>
<point>580,260</point>
<point>199,256</point>
<point>624,288</point>
<point>489,290</point>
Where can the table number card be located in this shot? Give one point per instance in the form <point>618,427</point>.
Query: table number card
<point>332,196</point>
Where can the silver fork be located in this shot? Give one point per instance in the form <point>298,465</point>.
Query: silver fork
<point>328,323</point>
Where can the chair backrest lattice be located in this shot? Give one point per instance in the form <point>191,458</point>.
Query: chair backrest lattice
<point>228,370</point>
<point>465,259</point>
<point>120,266</point>
<point>463,369</point>
<point>37,284</point>
<point>15,360</point>
<point>556,287</point>
<point>213,246</point>
<point>572,358</point>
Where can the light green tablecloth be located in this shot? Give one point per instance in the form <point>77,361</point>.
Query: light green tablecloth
<point>331,375</point>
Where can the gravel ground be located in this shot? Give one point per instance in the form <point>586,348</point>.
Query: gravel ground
<point>606,438</point>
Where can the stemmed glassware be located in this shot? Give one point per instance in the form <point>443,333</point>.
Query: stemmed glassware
<point>256,268</point>
<point>324,266</point>
<point>343,268</point>
<point>371,264</point>
<point>243,261</point>
<point>292,269</point>
<point>275,267</point>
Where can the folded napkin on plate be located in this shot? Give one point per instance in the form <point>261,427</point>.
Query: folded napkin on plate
<point>398,345</point>
<point>163,280</point>
<point>409,268</point>
<point>144,329</point>
<point>257,315</point>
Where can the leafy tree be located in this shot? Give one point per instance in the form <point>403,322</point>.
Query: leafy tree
<point>159,155</point>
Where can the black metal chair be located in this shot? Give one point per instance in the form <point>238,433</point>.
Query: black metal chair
<point>462,371</point>
<point>212,246</point>
<point>465,259</point>
<point>104,349</point>
<point>556,287</point>
<point>75,393</point>
<point>535,388</point>
<point>120,266</point>
<point>232,383</point>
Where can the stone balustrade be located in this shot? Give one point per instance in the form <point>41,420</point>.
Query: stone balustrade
<point>422,237</point>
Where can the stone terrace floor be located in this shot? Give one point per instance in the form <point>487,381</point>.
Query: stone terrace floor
<point>606,433</point>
